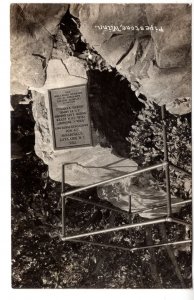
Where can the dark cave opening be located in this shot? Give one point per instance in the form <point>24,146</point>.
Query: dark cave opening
<point>114,108</point>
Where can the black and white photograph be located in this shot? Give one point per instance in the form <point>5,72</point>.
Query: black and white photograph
<point>101,150</point>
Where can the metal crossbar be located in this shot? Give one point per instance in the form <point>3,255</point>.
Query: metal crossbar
<point>169,218</point>
<point>134,248</point>
<point>137,172</point>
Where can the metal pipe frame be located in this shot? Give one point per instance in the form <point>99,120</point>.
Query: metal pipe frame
<point>168,218</point>
<point>131,249</point>
<point>76,198</point>
<point>63,199</point>
<point>137,172</point>
<point>179,169</point>
<point>128,226</point>
<point>150,222</point>
<point>167,171</point>
<point>97,204</point>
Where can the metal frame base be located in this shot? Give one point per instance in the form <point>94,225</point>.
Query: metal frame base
<point>168,218</point>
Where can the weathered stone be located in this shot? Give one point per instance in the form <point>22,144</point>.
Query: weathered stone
<point>180,106</point>
<point>132,67</point>
<point>27,37</point>
<point>172,47</point>
<point>29,71</point>
<point>157,60</point>
<point>84,165</point>
<point>164,86</point>
<point>61,48</point>
<point>145,194</point>
<point>17,88</point>
<point>59,76</point>
<point>76,67</point>
<point>48,15</point>
<point>113,43</point>
<point>31,47</point>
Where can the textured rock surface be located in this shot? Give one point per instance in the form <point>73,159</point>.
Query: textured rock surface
<point>156,62</point>
<point>173,48</point>
<point>61,48</point>
<point>85,166</point>
<point>166,85</point>
<point>144,192</point>
<point>112,45</point>
<point>104,103</point>
<point>59,75</point>
<point>32,43</point>
<point>75,67</point>
<point>47,15</point>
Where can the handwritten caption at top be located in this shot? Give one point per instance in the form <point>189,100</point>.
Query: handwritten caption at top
<point>119,28</point>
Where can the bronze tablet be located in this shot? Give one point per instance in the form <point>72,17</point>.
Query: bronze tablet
<point>70,119</point>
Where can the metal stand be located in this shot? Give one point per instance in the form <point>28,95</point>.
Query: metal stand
<point>169,218</point>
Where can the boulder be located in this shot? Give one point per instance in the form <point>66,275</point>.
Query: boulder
<point>31,47</point>
<point>48,15</point>
<point>145,194</point>
<point>32,28</point>
<point>113,43</point>
<point>156,59</point>
<point>173,46</point>
<point>164,86</point>
<point>59,75</point>
<point>84,165</point>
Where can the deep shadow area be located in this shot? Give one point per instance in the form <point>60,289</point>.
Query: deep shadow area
<point>113,105</point>
<point>114,108</point>
<point>22,129</point>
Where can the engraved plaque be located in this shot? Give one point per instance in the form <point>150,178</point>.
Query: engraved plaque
<point>70,117</point>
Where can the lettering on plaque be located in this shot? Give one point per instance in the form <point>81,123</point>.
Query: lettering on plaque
<point>70,118</point>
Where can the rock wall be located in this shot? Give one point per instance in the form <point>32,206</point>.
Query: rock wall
<point>86,165</point>
<point>154,54</point>
<point>156,58</point>
<point>31,28</point>
<point>148,44</point>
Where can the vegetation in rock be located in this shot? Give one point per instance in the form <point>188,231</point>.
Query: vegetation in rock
<point>146,146</point>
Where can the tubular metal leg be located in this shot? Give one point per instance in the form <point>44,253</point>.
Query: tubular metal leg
<point>168,218</point>
<point>63,199</point>
<point>167,173</point>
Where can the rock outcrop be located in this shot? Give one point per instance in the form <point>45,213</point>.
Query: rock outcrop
<point>32,26</point>
<point>86,165</point>
<point>150,44</point>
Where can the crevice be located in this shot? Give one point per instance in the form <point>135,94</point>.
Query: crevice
<point>126,53</point>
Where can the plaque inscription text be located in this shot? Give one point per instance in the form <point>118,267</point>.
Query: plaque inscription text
<point>70,117</point>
